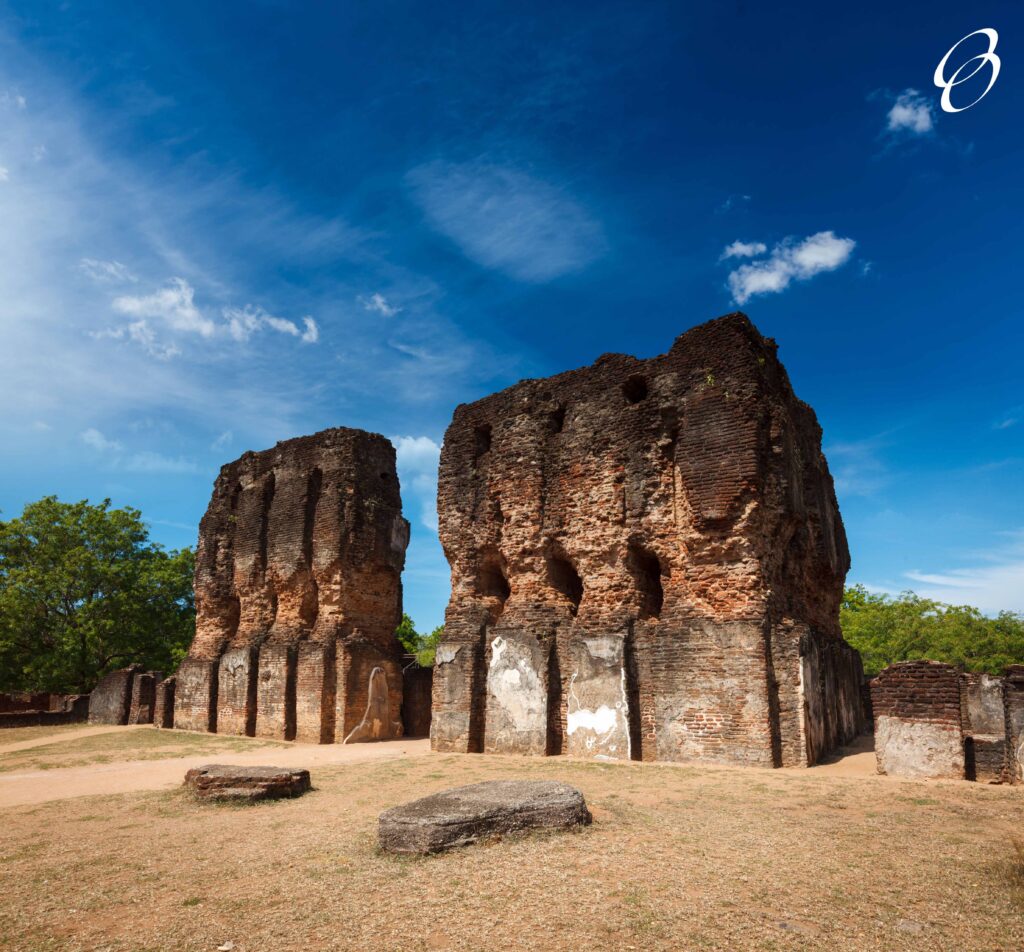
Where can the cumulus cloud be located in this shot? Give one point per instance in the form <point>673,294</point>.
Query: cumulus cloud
<point>243,322</point>
<point>789,260</point>
<point>418,458</point>
<point>378,303</point>
<point>173,304</point>
<point>912,114</point>
<point>744,249</point>
<point>106,272</point>
<point>508,220</point>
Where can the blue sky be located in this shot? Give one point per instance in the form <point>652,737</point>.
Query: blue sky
<point>226,224</point>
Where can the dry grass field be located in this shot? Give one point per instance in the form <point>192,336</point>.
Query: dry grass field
<point>678,857</point>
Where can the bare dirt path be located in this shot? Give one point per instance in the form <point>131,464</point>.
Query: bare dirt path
<point>127,776</point>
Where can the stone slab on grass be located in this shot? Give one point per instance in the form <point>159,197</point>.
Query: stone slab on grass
<point>463,815</point>
<point>220,782</point>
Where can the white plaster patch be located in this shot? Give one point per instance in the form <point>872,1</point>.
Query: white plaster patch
<point>918,749</point>
<point>605,648</point>
<point>516,689</point>
<point>601,721</point>
<point>445,654</point>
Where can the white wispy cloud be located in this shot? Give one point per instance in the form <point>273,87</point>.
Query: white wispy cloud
<point>1010,418</point>
<point>733,201</point>
<point>143,461</point>
<point>857,467</point>
<point>106,272</point>
<point>5,174</point>
<point>378,303</point>
<point>418,458</point>
<point>243,322</point>
<point>142,334</point>
<point>94,438</point>
<point>993,586</point>
<point>174,304</point>
<point>744,249</point>
<point>11,97</point>
<point>911,114</point>
<point>150,462</point>
<point>790,260</point>
<point>505,219</point>
<point>224,440</point>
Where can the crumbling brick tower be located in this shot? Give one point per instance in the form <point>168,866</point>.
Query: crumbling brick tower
<point>298,594</point>
<point>647,561</point>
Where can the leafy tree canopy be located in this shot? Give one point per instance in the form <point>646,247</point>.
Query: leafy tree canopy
<point>83,591</point>
<point>422,646</point>
<point>887,629</point>
<point>407,634</point>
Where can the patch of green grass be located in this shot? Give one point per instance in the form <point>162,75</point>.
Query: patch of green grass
<point>127,744</point>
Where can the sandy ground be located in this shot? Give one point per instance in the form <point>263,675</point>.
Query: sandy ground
<point>678,857</point>
<point>126,776</point>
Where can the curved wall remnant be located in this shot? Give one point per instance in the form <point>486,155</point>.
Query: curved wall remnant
<point>298,592</point>
<point>647,561</point>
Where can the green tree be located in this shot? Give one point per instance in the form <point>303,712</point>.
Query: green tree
<point>406,633</point>
<point>887,629</point>
<point>422,646</point>
<point>428,647</point>
<point>83,591</point>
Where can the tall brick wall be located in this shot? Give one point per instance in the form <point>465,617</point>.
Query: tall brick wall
<point>298,591</point>
<point>664,531</point>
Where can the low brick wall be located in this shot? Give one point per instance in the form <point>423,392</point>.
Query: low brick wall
<point>918,723</point>
<point>42,718</point>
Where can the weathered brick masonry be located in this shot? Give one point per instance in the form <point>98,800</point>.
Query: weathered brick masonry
<point>647,561</point>
<point>298,593</point>
<point>933,720</point>
<point>918,720</point>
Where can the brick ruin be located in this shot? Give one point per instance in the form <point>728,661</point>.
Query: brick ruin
<point>934,720</point>
<point>42,709</point>
<point>125,696</point>
<point>647,562</point>
<point>298,594</point>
